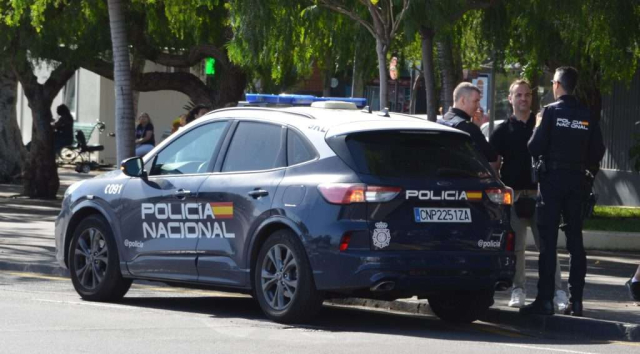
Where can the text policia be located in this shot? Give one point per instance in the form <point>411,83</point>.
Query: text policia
<point>186,220</point>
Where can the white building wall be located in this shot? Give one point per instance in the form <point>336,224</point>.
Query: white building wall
<point>162,106</point>
<point>96,101</point>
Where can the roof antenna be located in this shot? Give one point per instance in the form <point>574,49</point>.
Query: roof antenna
<point>384,112</point>
<point>366,109</point>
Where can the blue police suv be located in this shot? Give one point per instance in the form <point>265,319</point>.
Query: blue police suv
<point>294,206</point>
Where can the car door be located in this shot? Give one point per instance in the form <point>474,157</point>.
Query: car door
<point>160,219</point>
<point>240,195</point>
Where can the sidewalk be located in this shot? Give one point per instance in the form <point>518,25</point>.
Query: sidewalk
<point>27,244</point>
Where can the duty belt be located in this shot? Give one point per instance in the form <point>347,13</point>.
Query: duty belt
<point>572,166</point>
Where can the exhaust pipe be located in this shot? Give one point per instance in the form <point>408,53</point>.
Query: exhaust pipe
<point>502,285</point>
<point>385,285</point>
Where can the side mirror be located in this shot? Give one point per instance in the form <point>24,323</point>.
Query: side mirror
<point>133,167</point>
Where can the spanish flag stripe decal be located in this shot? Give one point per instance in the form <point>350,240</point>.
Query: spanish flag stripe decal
<point>222,210</point>
<point>474,195</point>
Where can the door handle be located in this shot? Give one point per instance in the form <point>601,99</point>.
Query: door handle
<point>182,193</point>
<point>257,193</point>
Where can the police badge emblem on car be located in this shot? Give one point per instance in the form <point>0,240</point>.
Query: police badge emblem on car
<point>381,235</point>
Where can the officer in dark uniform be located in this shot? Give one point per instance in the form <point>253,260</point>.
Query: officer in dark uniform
<point>569,140</point>
<point>466,101</point>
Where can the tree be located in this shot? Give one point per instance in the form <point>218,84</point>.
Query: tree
<point>12,151</point>
<point>599,38</point>
<point>386,17</point>
<point>68,35</point>
<point>435,21</point>
<point>278,43</point>
<point>25,39</point>
<point>122,82</point>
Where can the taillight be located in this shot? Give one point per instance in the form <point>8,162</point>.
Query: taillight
<point>511,242</point>
<point>500,196</point>
<point>347,193</point>
<point>344,243</point>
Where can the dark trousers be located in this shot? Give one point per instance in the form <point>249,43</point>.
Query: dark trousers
<point>561,193</point>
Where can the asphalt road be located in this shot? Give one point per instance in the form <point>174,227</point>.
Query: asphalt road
<point>43,314</point>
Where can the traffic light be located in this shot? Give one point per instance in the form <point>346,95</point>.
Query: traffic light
<point>210,66</point>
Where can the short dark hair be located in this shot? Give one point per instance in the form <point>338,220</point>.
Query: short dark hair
<point>191,116</point>
<point>567,78</point>
<point>63,110</point>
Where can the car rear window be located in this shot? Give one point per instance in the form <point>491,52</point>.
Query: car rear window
<point>416,154</point>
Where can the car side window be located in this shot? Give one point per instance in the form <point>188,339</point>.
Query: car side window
<point>255,146</point>
<point>298,149</point>
<point>190,153</point>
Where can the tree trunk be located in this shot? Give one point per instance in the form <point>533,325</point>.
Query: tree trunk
<point>357,81</point>
<point>327,74</point>
<point>12,151</point>
<point>447,67</point>
<point>414,92</point>
<point>137,67</point>
<point>229,87</point>
<point>535,97</point>
<point>428,71</point>
<point>381,50</point>
<point>125,128</point>
<point>40,172</point>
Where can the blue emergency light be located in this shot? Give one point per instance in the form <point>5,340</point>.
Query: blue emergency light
<point>299,100</point>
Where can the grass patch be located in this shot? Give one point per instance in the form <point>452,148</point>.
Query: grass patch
<point>609,218</point>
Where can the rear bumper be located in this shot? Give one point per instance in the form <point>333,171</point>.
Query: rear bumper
<point>414,273</point>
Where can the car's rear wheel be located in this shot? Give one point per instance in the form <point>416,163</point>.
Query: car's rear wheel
<point>94,263</point>
<point>283,280</point>
<point>461,307</point>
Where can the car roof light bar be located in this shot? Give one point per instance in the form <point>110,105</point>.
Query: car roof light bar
<point>298,100</point>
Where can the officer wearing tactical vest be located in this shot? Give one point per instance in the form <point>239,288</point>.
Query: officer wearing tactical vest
<point>569,141</point>
<point>466,97</point>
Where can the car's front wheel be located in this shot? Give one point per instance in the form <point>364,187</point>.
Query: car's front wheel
<point>283,281</point>
<point>461,307</point>
<point>94,263</point>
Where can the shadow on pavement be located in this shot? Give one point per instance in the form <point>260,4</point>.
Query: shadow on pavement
<point>338,319</point>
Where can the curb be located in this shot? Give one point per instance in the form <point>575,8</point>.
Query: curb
<point>557,326</point>
<point>35,268</point>
<point>595,240</point>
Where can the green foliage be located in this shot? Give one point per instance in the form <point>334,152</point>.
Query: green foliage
<point>598,37</point>
<point>279,42</point>
<point>609,218</point>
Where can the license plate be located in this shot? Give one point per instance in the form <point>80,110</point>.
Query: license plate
<point>460,215</point>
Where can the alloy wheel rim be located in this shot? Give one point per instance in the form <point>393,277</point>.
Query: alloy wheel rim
<point>91,258</point>
<point>279,278</point>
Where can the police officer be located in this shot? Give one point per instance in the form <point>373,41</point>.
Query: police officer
<point>510,142</point>
<point>466,97</point>
<point>569,140</point>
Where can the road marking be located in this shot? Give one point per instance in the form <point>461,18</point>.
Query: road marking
<point>544,348</point>
<point>34,275</point>
<point>625,343</point>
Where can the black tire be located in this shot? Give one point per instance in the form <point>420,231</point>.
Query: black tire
<point>93,244</point>
<point>299,301</point>
<point>461,307</point>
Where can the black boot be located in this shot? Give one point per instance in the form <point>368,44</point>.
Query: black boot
<point>538,307</point>
<point>574,308</point>
<point>634,289</point>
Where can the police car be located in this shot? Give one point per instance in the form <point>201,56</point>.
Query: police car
<point>297,205</point>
